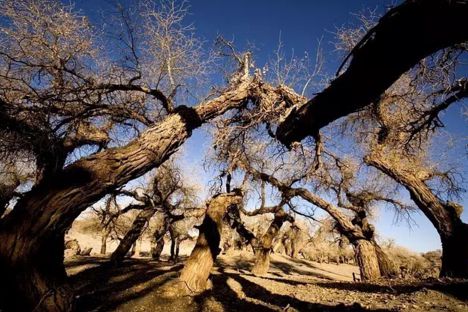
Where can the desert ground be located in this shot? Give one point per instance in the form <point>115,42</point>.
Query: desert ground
<point>290,285</point>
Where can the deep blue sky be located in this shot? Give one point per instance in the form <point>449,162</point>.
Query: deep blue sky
<point>301,23</point>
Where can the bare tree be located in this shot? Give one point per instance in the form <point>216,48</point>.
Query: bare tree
<point>405,35</point>
<point>82,100</point>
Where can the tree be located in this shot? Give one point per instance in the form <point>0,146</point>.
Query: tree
<point>405,35</point>
<point>78,96</point>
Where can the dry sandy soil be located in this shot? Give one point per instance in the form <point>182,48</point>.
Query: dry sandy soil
<point>291,285</point>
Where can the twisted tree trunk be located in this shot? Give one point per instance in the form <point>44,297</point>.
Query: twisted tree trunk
<point>197,269</point>
<point>53,204</point>
<point>386,266</point>
<point>263,250</point>
<point>132,235</point>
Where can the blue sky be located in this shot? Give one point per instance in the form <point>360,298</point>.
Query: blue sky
<point>301,23</point>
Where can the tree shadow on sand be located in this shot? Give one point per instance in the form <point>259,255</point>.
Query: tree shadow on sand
<point>257,298</point>
<point>457,289</point>
<point>105,287</point>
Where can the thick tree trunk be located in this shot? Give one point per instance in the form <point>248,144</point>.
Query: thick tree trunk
<point>54,203</point>
<point>262,252</point>
<point>197,269</point>
<point>366,258</point>
<point>444,216</point>
<point>387,268</point>
<point>403,36</point>
<point>104,236</point>
<point>455,253</point>
<point>132,235</point>
<point>35,270</point>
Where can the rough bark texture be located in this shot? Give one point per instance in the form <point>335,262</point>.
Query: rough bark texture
<point>387,267</point>
<point>443,215</point>
<point>197,269</point>
<point>405,35</point>
<point>366,258</point>
<point>262,252</point>
<point>41,217</point>
<point>157,241</point>
<point>132,235</point>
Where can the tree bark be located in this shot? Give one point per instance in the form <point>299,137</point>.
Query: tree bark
<point>132,235</point>
<point>405,35</point>
<point>443,215</point>
<point>455,253</point>
<point>387,267</point>
<point>38,272</point>
<point>262,252</point>
<point>54,203</point>
<point>366,258</point>
<point>157,241</point>
<point>197,269</point>
<point>104,236</point>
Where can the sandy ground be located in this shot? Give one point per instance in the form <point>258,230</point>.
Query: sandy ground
<point>290,285</point>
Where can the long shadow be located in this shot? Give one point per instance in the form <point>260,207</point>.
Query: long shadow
<point>106,287</point>
<point>288,269</point>
<point>312,266</point>
<point>456,289</point>
<point>256,291</point>
<point>228,298</point>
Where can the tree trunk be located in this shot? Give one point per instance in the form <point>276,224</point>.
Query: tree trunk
<point>455,253</point>
<point>33,274</point>
<point>132,235</point>
<point>402,37</point>
<point>174,245</point>
<point>198,266</point>
<point>262,252</point>
<point>387,267</point>
<point>54,203</point>
<point>104,236</point>
<point>157,248</point>
<point>444,216</point>
<point>366,258</point>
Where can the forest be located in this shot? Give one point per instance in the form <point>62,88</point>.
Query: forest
<point>145,167</point>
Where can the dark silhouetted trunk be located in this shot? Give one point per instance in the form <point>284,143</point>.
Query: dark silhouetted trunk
<point>366,258</point>
<point>132,235</point>
<point>455,253</point>
<point>175,242</point>
<point>157,248</point>
<point>38,273</point>
<point>404,36</point>
<point>198,266</point>
<point>262,252</point>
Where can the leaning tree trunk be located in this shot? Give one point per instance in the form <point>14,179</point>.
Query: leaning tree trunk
<point>445,216</point>
<point>56,201</point>
<point>262,252</point>
<point>132,235</point>
<point>197,269</point>
<point>366,258</point>
<point>403,36</point>
<point>387,267</point>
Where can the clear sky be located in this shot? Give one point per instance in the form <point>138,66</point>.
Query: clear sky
<point>301,23</point>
